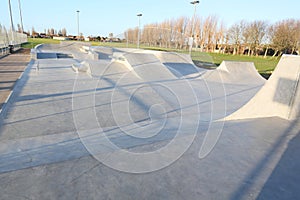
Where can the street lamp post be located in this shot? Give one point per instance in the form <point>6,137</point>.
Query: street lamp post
<point>139,31</point>
<point>127,42</point>
<point>11,23</point>
<point>21,18</point>
<point>193,25</point>
<point>78,33</point>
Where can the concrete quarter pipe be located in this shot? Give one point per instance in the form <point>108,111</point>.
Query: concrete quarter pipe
<point>280,96</point>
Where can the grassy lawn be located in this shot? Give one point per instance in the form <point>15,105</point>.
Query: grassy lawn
<point>265,66</point>
<point>32,42</point>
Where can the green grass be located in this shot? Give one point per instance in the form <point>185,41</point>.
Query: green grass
<point>32,42</point>
<point>113,44</point>
<point>265,66</point>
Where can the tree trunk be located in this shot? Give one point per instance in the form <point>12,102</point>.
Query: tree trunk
<point>293,50</point>
<point>275,53</point>
<point>266,52</point>
<point>280,55</point>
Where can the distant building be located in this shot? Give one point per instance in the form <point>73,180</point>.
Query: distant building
<point>60,38</point>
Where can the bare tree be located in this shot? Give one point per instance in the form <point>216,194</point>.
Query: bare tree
<point>33,32</point>
<point>52,31</point>
<point>199,39</point>
<point>286,36</point>
<point>298,37</point>
<point>64,32</point>
<point>132,35</point>
<point>220,37</point>
<point>209,32</point>
<point>180,29</point>
<point>268,39</point>
<point>235,33</point>
<point>210,35</point>
<point>295,35</point>
<point>257,31</point>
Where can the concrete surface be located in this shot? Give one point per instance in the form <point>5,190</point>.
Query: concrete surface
<point>75,136</point>
<point>11,68</point>
<point>237,73</point>
<point>280,96</point>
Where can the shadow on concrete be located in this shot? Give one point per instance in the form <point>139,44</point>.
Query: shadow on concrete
<point>17,89</point>
<point>181,69</point>
<point>283,183</point>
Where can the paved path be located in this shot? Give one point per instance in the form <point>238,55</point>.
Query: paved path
<point>11,68</point>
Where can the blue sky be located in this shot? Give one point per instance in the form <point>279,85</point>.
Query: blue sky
<point>99,17</point>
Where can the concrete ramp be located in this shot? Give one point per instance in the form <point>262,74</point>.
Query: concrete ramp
<point>172,57</point>
<point>146,66</point>
<point>96,53</point>
<point>63,46</point>
<point>71,46</point>
<point>158,77</point>
<point>104,52</point>
<point>46,55</point>
<point>235,72</point>
<point>280,96</point>
<point>181,65</point>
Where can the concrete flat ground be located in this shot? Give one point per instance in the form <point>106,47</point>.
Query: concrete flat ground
<point>122,133</point>
<point>11,68</point>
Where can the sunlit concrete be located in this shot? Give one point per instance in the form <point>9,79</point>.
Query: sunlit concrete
<point>57,118</point>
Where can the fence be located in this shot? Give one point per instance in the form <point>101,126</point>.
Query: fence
<point>9,39</point>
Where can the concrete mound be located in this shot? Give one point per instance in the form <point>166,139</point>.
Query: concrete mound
<point>146,66</point>
<point>179,64</point>
<point>280,96</point>
<point>104,52</point>
<point>235,72</point>
<point>68,46</point>
<point>172,57</point>
<point>63,46</point>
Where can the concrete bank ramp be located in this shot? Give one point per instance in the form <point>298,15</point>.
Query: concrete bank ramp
<point>173,57</point>
<point>63,46</point>
<point>96,53</point>
<point>71,46</point>
<point>146,66</point>
<point>235,72</point>
<point>179,64</point>
<point>70,49</point>
<point>104,52</point>
<point>280,96</point>
<point>176,93</point>
<point>46,55</point>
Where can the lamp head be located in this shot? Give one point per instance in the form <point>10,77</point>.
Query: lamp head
<point>195,2</point>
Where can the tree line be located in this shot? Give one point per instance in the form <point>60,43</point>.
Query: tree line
<point>50,32</point>
<point>210,34</point>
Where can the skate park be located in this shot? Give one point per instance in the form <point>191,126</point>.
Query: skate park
<point>120,123</point>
